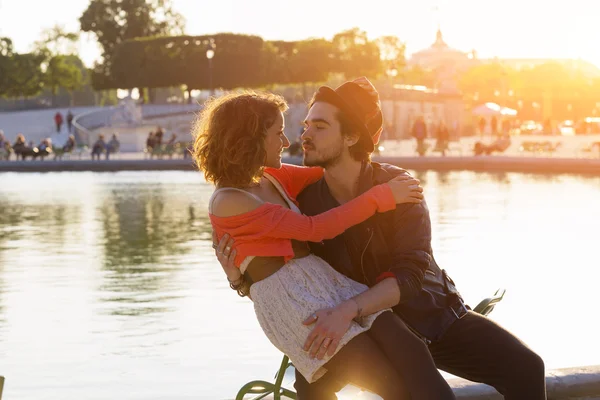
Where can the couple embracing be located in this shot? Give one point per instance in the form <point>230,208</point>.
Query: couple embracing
<point>336,255</point>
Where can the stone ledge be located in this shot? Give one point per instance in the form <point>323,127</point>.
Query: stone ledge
<point>478,164</point>
<point>568,383</point>
<point>580,383</point>
<point>50,165</point>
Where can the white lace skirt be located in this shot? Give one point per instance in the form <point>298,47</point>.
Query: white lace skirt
<point>289,296</point>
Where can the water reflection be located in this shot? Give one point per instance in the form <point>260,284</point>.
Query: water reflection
<point>116,271</point>
<point>47,222</point>
<point>144,231</point>
<point>32,226</point>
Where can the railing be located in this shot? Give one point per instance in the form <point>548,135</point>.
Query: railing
<point>85,123</point>
<point>159,110</point>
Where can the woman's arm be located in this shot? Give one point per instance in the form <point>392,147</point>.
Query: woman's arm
<point>287,224</point>
<point>253,219</point>
<point>295,178</point>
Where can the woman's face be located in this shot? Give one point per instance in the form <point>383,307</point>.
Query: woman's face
<point>276,142</point>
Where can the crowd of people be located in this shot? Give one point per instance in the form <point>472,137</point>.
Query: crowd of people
<point>443,135</point>
<point>155,147</point>
<point>23,150</point>
<point>102,148</point>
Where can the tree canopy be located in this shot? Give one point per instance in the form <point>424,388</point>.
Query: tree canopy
<point>116,21</point>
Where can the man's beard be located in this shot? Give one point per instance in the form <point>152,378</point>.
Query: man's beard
<point>332,157</point>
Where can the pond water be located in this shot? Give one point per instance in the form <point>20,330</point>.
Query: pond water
<point>109,288</point>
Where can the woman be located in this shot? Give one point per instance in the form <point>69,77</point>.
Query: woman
<point>69,146</point>
<point>238,145</point>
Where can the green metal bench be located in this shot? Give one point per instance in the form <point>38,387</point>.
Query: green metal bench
<point>264,388</point>
<point>486,306</point>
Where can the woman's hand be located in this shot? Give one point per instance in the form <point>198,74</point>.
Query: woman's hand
<point>330,325</point>
<point>226,256</point>
<point>406,189</point>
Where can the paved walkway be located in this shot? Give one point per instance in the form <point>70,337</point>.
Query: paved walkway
<point>36,124</point>
<point>570,146</point>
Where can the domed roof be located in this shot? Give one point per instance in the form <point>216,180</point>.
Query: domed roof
<point>439,46</point>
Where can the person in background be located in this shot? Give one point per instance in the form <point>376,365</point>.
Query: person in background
<point>70,117</point>
<point>58,121</point>
<point>99,147</point>
<point>419,132</point>
<point>443,137</point>
<point>113,146</point>
<point>69,146</point>
<point>44,148</point>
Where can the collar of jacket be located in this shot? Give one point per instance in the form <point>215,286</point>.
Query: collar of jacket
<point>371,174</point>
<point>365,178</point>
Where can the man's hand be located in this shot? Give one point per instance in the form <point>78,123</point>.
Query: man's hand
<point>330,325</point>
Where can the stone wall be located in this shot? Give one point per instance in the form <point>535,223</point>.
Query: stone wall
<point>570,383</point>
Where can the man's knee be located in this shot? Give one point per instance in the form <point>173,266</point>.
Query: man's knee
<point>526,369</point>
<point>532,364</point>
<point>526,379</point>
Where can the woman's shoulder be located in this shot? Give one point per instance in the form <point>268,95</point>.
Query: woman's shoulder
<point>229,202</point>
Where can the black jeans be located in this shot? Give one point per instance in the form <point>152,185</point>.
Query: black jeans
<point>478,349</point>
<point>362,362</point>
<point>474,348</point>
<point>393,378</point>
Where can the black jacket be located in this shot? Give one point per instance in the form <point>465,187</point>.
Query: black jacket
<point>396,243</point>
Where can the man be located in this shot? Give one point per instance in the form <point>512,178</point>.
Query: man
<point>419,131</point>
<point>70,117</point>
<point>391,252</point>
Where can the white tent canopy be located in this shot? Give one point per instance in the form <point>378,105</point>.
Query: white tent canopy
<point>490,109</point>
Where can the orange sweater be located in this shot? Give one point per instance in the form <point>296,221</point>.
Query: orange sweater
<point>267,230</point>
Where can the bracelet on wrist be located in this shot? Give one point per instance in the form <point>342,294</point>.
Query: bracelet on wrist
<point>235,281</point>
<point>237,284</point>
<point>358,308</point>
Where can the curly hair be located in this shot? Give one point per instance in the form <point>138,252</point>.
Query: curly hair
<point>229,136</point>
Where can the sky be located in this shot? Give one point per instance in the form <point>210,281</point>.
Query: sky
<point>505,29</point>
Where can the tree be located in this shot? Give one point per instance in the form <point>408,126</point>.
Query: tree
<point>24,75</point>
<point>487,82</point>
<point>115,21</point>
<point>62,68</point>
<point>57,40</point>
<point>6,54</point>
<point>356,55</point>
<point>562,90</point>
<point>63,71</point>
<point>392,51</point>
<point>181,60</point>
<point>303,61</point>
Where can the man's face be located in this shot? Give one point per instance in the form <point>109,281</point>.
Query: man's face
<point>322,139</point>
